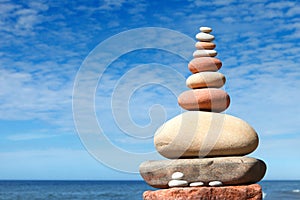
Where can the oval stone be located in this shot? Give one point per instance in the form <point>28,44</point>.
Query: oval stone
<point>205,134</point>
<point>215,183</point>
<point>205,45</point>
<point>205,37</point>
<point>203,64</point>
<point>177,175</point>
<point>178,183</point>
<point>196,184</point>
<point>205,29</point>
<point>208,99</point>
<point>206,79</point>
<point>205,53</point>
<point>228,170</point>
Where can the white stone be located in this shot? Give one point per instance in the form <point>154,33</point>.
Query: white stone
<point>205,37</point>
<point>205,53</point>
<point>196,184</point>
<point>215,183</point>
<point>205,29</point>
<point>177,175</point>
<point>177,183</point>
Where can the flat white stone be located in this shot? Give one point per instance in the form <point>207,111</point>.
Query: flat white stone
<point>205,29</point>
<point>205,53</point>
<point>196,184</point>
<point>177,183</point>
<point>215,183</point>
<point>177,175</point>
<point>205,37</point>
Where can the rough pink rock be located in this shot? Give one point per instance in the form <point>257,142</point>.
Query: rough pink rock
<point>244,192</point>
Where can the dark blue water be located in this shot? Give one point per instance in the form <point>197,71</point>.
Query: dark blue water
<point>116,190</point>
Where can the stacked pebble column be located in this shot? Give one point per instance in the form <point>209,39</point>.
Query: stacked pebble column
<point>206,148</point>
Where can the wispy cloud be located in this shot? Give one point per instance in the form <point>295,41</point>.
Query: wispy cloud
<point>28,136</point>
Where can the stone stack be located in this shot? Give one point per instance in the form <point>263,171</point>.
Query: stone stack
<point>206,148</point>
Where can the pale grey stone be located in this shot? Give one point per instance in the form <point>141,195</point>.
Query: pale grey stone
<point>228,170</point>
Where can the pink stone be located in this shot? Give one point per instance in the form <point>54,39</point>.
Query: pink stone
<point>208,99</point>
<point>203,64</point>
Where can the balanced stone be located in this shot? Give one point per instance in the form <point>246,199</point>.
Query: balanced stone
<point>196,184</point>
<point>205,45</point>
<point>177,183</point>
<point>203,64</point>
<point>227,170</point>
<point>206,79</point>
<point>215,183</point>
<point>205,37</point>
<point>177,175</point>
<point>208,99</point>
<point>205,134</point>
<point>243,192</point>
<point>205,29</point>
<point>204,53</point>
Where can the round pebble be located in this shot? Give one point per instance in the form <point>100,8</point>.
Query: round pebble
<point>215,183</point>
<point>205,45</point>
<point>205,37</point>
<point>196,184</point>
<point>177,175</point>
<point>204,53</point>
<point>205,79</point>
<point>207,99</point>
<point>203,64</point>
<point>177,183</point>
<point>205,29</point>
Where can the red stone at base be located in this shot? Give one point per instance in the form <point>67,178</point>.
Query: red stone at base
<point>243,192</point>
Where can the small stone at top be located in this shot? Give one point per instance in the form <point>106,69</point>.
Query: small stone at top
<point>205,29</point>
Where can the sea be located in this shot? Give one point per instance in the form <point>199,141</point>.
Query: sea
<point>115,190</point>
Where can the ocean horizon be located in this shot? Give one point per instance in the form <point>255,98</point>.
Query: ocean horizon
<point>116,189</point>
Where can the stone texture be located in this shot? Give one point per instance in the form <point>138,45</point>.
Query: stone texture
<point>205,79</point>
<point>228,170</point>
<point>205,37</point>
<point>208,99</point>
<point>205,45</point>
<point>205,53</point>
<point>203,64</point>
<point>245,192</point>
<point>198,134</point>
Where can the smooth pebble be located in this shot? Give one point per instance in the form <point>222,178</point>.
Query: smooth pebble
<point>215,183</point>
<point>177,175</point>
<point>205,45</point>
<point>205,29</point>
<point>205,53</point>
<point>202,64</point>
<point>196,184</point>
<point>197,134</point>
<point>177,183</point>
<point>205,37</point>
<point>205,79</point>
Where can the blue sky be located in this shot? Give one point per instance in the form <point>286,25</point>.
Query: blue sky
<point>43,47</point>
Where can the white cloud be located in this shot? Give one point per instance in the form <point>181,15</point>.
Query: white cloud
<point>29,136</point>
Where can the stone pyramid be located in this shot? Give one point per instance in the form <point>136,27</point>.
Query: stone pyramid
<point>205,148</point>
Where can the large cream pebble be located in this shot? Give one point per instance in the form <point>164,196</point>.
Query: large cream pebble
<point>205,134</point>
